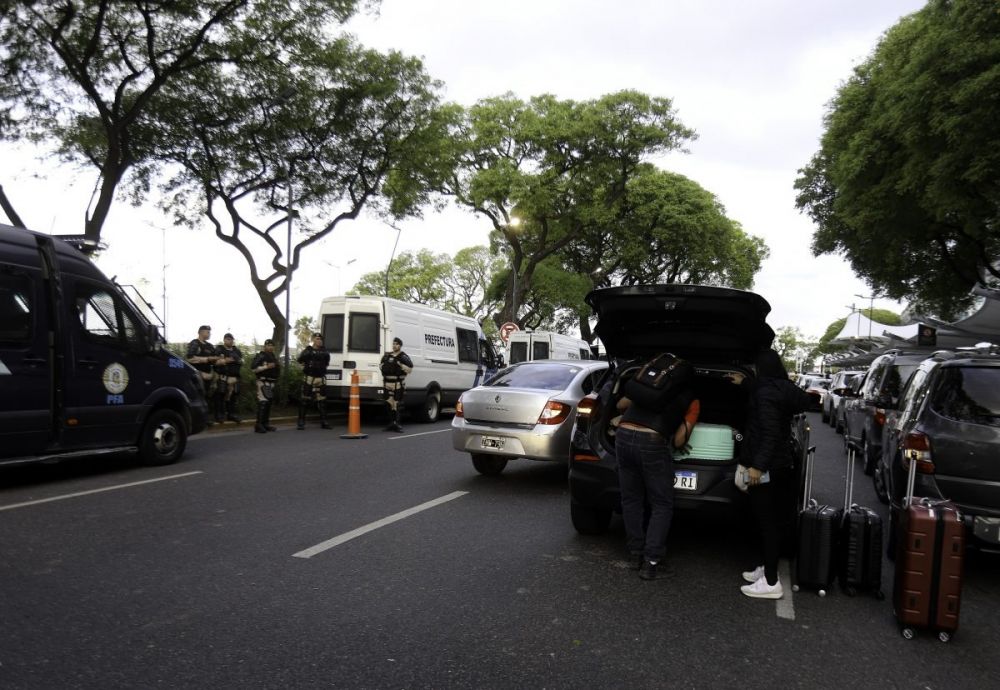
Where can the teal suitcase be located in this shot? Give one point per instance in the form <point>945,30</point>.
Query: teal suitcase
<point>709,442</point>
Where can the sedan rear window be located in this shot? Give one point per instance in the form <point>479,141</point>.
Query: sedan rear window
<point>969,394</point>
<point>548,377</point>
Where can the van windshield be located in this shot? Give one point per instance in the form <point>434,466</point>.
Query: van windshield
<point>969,394</point>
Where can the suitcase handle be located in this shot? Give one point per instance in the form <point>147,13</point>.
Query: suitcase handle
<point>810,460</point>
<point>911,480</point>
<point>849,482</point>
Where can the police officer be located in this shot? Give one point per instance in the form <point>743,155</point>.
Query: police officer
<point>395,366</point>
<point>266,368</point>
<point>228,361</point>
<point>314,360</point>
<point>201,355</point>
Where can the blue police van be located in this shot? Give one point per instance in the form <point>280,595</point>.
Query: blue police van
<point>82,371</point>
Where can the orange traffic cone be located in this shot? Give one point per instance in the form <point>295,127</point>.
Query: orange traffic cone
<point>354,410</point>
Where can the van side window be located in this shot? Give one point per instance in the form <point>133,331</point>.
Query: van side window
<point>518,352</point>
<point>15,307</point>
<point>468,345</point>
<point>539,350</point>
<point>333,332</point>
<point>102,317</point>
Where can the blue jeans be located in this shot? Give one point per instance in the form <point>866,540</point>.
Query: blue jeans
<point>645,476</point>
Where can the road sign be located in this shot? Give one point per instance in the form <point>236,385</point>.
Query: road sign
<point>506,330</point>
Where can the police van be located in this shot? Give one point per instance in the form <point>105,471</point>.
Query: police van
<point>524,346</point>
<point>450,353</point>
<point>82,372</point>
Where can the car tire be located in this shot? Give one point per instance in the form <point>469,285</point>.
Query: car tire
<point>430,410</point>
<point>838,425</point>
<point>587,520</point>
<point>878,479</point>
<point>163,439</point>
<point>866,456</point>
<point>490,465</point>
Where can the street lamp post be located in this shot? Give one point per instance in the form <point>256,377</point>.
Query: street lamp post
<point>338,267</point>
<point>871,306</point>
<point>388,266</point>
<point>514,223</point>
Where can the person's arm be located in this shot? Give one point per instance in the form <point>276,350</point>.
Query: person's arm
<point>405,363</point>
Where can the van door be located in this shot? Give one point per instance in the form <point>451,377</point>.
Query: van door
<point>108,367</point>
<point>26,386</point>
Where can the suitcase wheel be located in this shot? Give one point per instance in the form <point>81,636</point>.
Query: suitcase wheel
<point>822,592</point>
<point>880,595</point>
<point>943,636</point>
<point>850,591</point>
<point>908,633</point>
<point>795,588</point>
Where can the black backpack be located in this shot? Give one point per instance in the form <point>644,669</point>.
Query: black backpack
<point>659,381</point>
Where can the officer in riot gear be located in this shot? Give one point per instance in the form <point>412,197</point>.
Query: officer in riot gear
<point>314,360</point>
<point>395,366</point>
<point>228,361</point>
<point>266,368</point>
<point>201,355</point>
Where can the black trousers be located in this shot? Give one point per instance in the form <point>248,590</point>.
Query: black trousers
<point>770,505</point>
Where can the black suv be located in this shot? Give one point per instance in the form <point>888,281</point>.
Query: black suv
<point>880,391</point>
<point>949,425</point>
<point>719,330</point>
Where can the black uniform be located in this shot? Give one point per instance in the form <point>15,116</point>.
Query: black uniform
<point>229,380</point>
<point>314,361</point>
<point>266,376</point>
<point>199,348</point>
<point>394,367</point>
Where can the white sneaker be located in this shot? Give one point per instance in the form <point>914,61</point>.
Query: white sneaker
<point>761,590</point>
<point>753,575</point>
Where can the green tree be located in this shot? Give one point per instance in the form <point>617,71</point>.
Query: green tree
<point>544,171</point>
<point>352,129</point>
<point>905,181</point>
<point>415,277</point>
<point>85,77</point>
<point>824,346</point>
<point>305,326</point>
<point>792,346</point>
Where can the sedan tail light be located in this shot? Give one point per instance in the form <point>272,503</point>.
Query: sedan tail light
<point>554,413</point>
<point>458,408</point>
<point>917,448</point>
<point>587,405</point>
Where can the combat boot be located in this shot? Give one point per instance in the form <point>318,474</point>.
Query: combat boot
<point>231,411</point>
<point>392,421</point>
<point>218,404</point>
<point>267,417</point>
<point>396,426</point>
<point>259,426</point>
<point>301,423</point>
<point>321,405</point>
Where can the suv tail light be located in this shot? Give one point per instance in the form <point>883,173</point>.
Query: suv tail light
<point>554,413</point>
<point>879,416</point>
<point>458,408</point>
<point>587,405</point>
<point>917,448</point>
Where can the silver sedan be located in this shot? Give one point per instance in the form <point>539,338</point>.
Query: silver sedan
<point>525,411</point>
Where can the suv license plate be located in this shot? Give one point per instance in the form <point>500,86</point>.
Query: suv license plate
<point>685,480</point>
<point>492,442</point>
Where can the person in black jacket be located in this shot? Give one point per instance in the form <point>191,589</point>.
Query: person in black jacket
<point>395,366</point>
<point>314,360</point>
<point>228,361</point>
<point>266,368</point>
<point>766,450</point>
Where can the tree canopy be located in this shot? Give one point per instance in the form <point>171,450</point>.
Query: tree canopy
<point>905,181</point>
<point>86,76</point>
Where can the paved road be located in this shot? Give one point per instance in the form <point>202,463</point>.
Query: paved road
<point>298,559</point>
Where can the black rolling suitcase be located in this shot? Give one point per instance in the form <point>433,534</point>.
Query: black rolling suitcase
<point>860,542</point>
<point>815,566</point>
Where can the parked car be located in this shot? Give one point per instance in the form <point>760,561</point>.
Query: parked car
<point>719,330</point>
<point>949,424</point>
<point>832,412</point>
<point>879,393</point>
<point>525,411</point>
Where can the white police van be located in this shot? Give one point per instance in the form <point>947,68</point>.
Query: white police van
<point>450,353</point>
<point>524,346</point>
<point>82,372</point>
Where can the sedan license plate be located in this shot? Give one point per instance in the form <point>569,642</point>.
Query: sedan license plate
<point>492,442</point>
<point>685,480</point>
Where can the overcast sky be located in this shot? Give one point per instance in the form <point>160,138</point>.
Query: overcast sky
<point>752,78</point>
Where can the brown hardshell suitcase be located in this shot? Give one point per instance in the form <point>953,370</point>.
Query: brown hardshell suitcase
<point>930,553</point>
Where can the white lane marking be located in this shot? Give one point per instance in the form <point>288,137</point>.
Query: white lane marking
<point>785,607</point>
<point>422,433</point>
<point>97,491</point>
<point>347,536</point>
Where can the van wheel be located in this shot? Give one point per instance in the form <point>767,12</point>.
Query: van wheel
<point>490,465</point>
<point>588,520</point>
<point>430,411</point>
<point>163,438</point>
